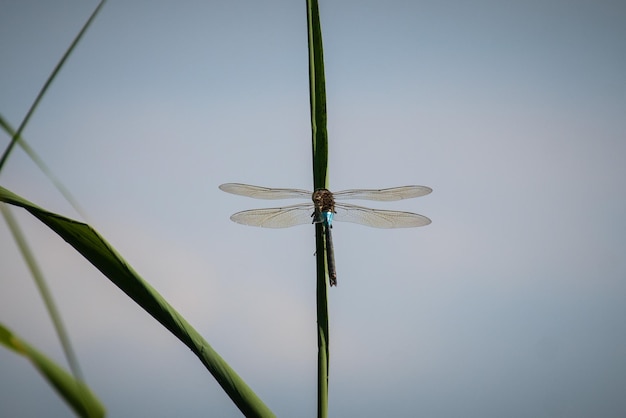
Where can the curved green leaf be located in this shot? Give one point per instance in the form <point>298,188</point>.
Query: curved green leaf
<point>100,253</point>
<point>75,393</point>
<point>44,291</point>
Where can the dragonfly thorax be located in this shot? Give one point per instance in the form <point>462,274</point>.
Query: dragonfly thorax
<point>324,206</point>
<point>324,201</point>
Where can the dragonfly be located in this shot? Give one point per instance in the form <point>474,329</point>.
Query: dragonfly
<point>324,210</point>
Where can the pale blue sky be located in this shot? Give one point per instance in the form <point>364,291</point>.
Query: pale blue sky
<point>511,303</point>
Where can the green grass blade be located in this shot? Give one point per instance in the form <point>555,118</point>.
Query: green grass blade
<point>323,350</point>
<point>76,394</point>
<point>42,166</point>
<point>99,253</point>
<point>317,94</point>
<point>43,90</point>
<point>46,295</point>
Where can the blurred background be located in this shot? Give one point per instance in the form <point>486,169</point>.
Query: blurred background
<point>511,303</point>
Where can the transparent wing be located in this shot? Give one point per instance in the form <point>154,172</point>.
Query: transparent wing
<point>378,218</point>
<point>258,192</point>
<point>393,193</point>
<point>276,217</point>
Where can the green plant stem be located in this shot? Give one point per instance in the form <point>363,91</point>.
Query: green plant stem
<point>322,325</point>
<point>43,167</point>
<point>317,92</point>
<point>43,90</point>
<point>46,295</point>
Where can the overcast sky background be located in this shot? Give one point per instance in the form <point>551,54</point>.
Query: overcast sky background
<point>511,303</point>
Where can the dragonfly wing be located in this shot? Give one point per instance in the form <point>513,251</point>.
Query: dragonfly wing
<point>258,192</point>
<point>385,195</point>
<point>378,218</point>
<point>275,217</point>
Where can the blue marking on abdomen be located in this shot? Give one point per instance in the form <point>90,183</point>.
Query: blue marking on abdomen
<point>328,218</point>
